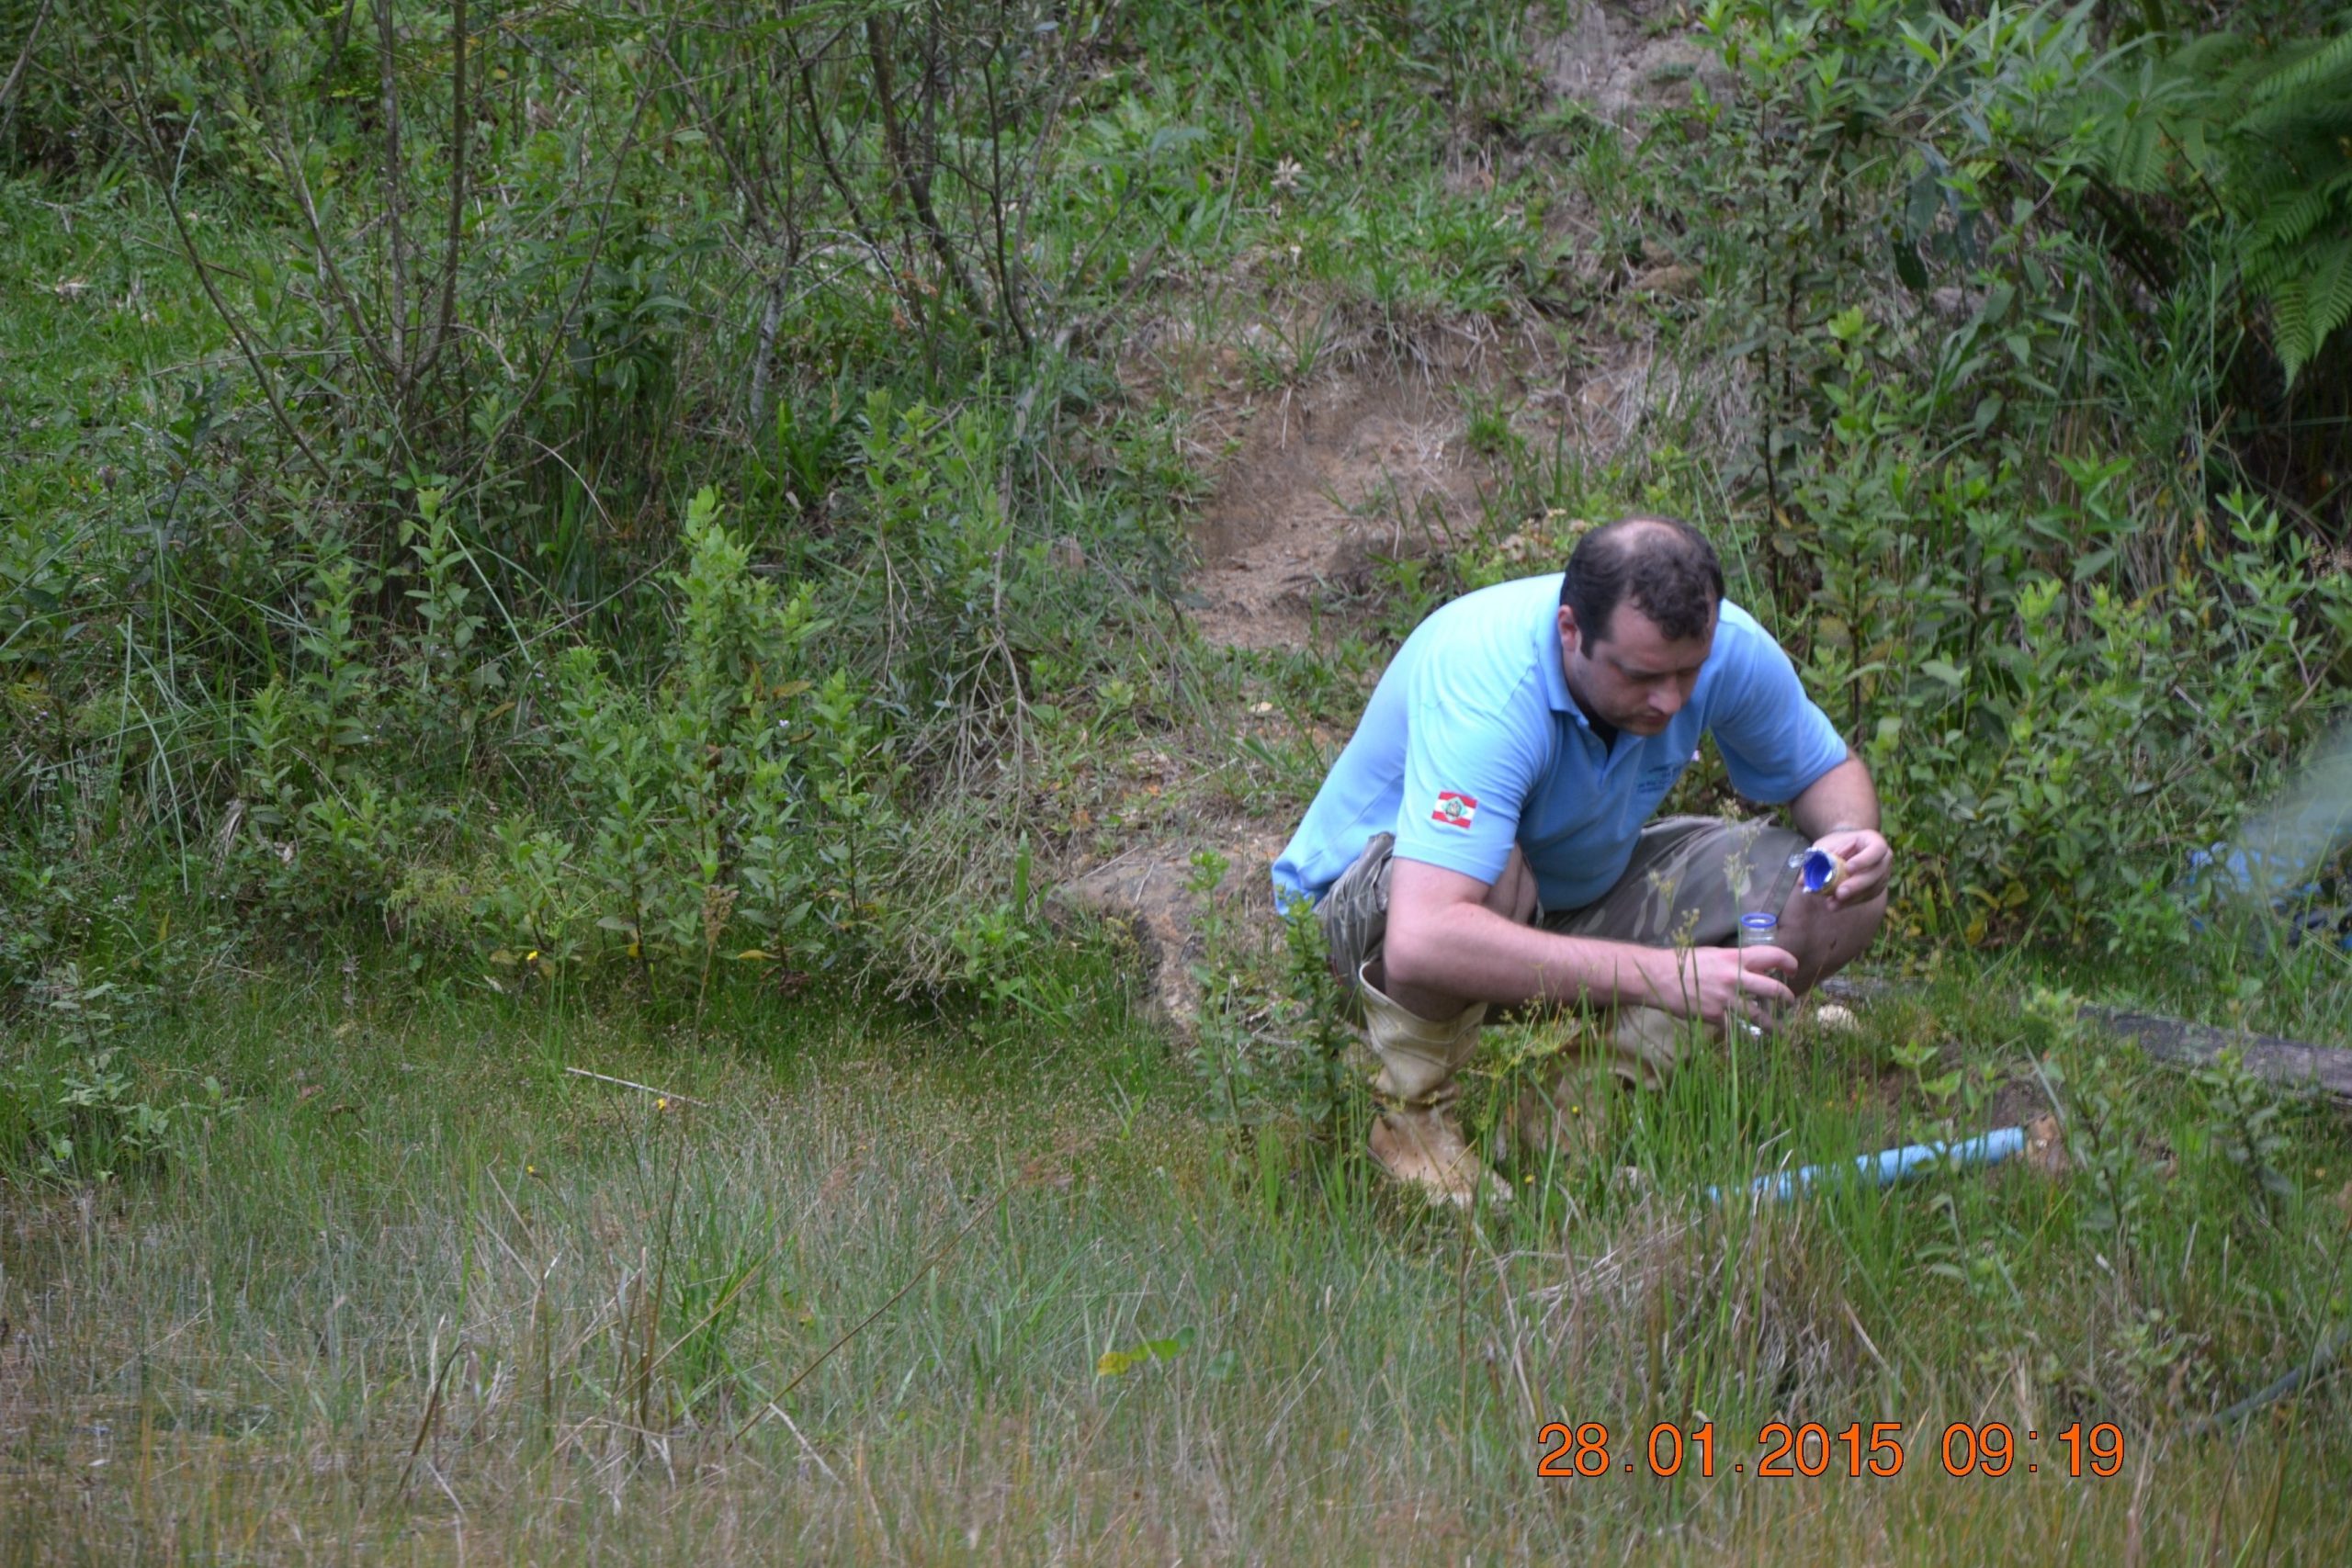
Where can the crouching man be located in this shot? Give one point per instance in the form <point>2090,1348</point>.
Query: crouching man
<point>1485,838</point>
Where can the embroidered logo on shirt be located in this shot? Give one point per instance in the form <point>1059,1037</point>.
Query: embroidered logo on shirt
<point>1454,808</point>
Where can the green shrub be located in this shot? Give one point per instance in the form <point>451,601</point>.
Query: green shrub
<point>2045,738</point>
<point>1994,532</point>
<point>2252,132</point>
<point>71,1108</point>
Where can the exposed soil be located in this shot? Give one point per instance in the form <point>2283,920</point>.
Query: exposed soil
<point>1624,62</point>
<point>1328,482</point>
<point>1366,457</point>
<point>1318,483</point>
<point>1149,890</point>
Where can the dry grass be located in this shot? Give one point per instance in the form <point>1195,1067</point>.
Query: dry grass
<point>504,1313</point>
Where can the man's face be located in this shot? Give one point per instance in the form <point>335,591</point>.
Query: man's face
<point>1637,678</point>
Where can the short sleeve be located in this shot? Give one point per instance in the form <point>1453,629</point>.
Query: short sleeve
<point>1774,739</point>
<point>1471,760</point>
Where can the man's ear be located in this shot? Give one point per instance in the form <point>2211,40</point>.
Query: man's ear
<point>1568,635</point>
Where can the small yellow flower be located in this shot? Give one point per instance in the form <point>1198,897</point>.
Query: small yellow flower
<point>662,1103</point>
<point>532,957</point>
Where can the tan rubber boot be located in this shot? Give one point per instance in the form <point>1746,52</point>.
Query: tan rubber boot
<point>1417,1139</point>
<point>1423,1146</point>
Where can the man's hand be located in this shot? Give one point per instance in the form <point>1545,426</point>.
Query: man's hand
<point>1712,983</point>
<point>1840,810</point>
<point>1868,861</point>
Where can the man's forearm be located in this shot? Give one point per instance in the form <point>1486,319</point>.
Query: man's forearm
<point>1471,950</point>
<point>1842,797</point>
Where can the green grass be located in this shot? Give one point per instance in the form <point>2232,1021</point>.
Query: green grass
<point>405,1290</point>
<point>424,1296</point>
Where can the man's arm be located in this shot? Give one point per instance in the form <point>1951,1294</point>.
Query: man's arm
<point>1446,948</point>
<point>1839,811</point>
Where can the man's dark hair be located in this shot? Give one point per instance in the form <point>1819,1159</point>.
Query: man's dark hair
<point>1663,565</point>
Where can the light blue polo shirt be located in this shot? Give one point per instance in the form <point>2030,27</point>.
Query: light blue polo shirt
<point>1471,743</point>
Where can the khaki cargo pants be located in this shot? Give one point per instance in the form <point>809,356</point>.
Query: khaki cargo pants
<point>1689,881</point>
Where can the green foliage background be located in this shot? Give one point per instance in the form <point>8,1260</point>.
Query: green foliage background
<point>646,491</point>
<point>533,530</point>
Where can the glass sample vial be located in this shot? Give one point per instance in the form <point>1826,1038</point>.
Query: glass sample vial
<point>1760,931</point>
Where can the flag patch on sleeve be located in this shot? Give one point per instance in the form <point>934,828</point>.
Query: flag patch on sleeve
<point>1454,808</point>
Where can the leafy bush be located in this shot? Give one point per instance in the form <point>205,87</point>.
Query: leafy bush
<point>84,1121</point>
<point>80,1114</point>
<point>2063,665</point>
<point>2047,740</point>
<point>720,799</point>
<point>476,302</point>
<point>2249,132</point>
<point>726,808</point>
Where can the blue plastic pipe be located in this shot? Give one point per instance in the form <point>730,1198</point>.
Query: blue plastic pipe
<point>1887,1168</point>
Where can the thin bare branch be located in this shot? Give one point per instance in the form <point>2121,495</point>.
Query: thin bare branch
<point>914,176</point>
<point>17,74</point>
<point>640,1088</point>
<point>389,88</point>
<point>461,132</point>
<point>579,293</point>
<point>152,144</point>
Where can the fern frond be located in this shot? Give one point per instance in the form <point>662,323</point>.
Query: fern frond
<point>2328,64</point>
<point>2330,290</point>
<point>2214,58</point>
<point>2286,221</point>
<point>2261,177</point>
<point>2306,114</point>
<point>2310,305</point>
<point>2291,326</point>
<point>2317,123</point>
<point>2136,126</point>
<point>2269,129</point>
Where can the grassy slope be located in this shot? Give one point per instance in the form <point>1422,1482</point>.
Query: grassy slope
<point>416,1233</point>
<point>236,1359</point>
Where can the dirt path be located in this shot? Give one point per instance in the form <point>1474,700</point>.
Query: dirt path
<point>1372,461</point>
<point>1329,482</point>
<point>1369,460</point>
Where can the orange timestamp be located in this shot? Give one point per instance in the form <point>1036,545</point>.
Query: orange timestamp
<point>1582,1452</point>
